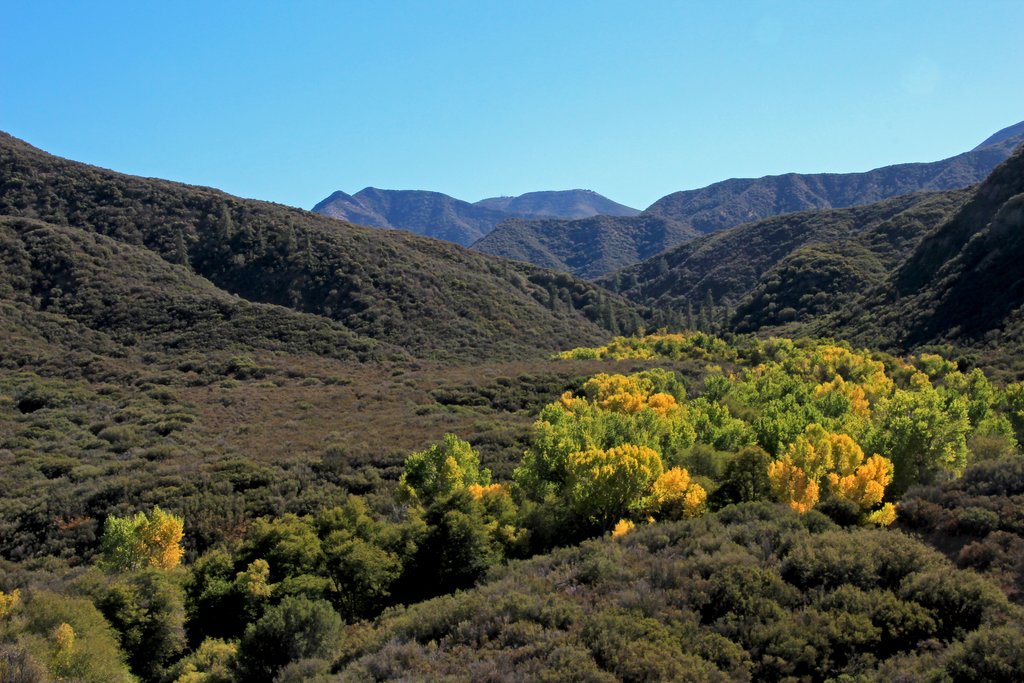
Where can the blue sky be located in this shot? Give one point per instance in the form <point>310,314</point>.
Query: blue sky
<point>289,101</point>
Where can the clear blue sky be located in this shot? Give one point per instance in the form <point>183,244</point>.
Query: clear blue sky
<point>288,101</point>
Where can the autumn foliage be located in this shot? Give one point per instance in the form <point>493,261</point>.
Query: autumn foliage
<point>143,540</point>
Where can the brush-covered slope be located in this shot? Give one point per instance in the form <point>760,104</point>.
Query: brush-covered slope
<point>752,593</point>
<point>835,251</point>
<point>559,204</point>
<point>737,201</point>
<point>431,298</point>
<point>587,247</point>
<point>134,298</point>
<point>434,214</point>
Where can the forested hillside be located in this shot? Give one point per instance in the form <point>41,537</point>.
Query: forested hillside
<point>431,298</point>
<point>587,247</point>
<point>848,250</point>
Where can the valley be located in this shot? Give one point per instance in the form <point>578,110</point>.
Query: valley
<point>242,441</point>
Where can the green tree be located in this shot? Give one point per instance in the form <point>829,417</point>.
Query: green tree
<point>922,434</point>
<point>298,628</point>
<point>442,469</point>
<point>147,608</point>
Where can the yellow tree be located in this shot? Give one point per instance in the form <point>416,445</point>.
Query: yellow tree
<point>819,458</point>
<point>791,485</point>
<point>603,485</point>
<point>8,601</point>
<point>675,496</point>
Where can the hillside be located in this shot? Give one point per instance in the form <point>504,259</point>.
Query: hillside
<point>588,247</point>
<point>742,200</point>
<point>131,296</point>
<point>732,264</point>
<point>559,204</point>
<point>964,282</point>
<point>751,593</point>
<point>431,214</point>
<point>437,215</point>
<point>930,268</point>
<point>431,298</point>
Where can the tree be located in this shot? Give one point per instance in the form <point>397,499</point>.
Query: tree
<point>824,462</point>
<point>676,496</point>
<point>604,485</point>
<point>442,469</point>
<point>147,608</point>
<point>745,478</point>
<point>298,628</point>
<point>130,543</point>
<point>922,434</point>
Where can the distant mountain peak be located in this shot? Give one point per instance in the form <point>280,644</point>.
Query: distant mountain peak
<point>435,214</point>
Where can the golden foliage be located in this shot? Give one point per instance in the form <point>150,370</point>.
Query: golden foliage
<point>819,452</point>
<point>479,491</point>
<point>8,601</point>
<point>791,485</point>
<point>674,495</point>
<point>623,527</point>
<point>853,393</point>
<point>884,516</point>
<point>570,403</point>
<point>662,404</point>
<point>695,502</point>
<point>162,537</point>
<point>627,404</point>
<point>866,486</point>
<point>671,485</point>
<point>64,638</point>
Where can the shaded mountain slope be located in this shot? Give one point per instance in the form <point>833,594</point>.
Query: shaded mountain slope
<point>588,247</point>
<point>759,258</point>
<point>965,281</point>
<point>434,214</point>
<point>425,213</point>
<point>431,298</point>
<point>742,200</point>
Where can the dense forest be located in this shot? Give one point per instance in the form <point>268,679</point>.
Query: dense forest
<point>242,442</point>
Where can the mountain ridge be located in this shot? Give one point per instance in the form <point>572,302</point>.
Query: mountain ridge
<point>742,200</point>
<point>438,215</point>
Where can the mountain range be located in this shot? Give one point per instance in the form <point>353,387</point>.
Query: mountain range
<point>438,215</point>
<point>926,268</point>
<point>593,247</point>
